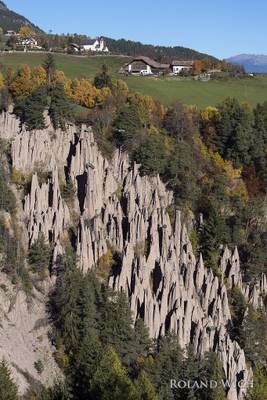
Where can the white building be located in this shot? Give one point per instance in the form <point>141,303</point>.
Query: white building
<point>179,66</point>
<point>95,45</point>
<point>29,43</point>
<point>11,33</point>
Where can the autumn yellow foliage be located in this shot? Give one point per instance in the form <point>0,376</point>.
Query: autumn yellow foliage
<point>26,31</point>
<point>59,78</point>
<point>236,185</point>
<point>27,81</point>
<point>104,265</point>
<point>2,81</point>
<point>145,104</point>
<point>120,87</point>
<point>82,92</point>
<point>209,114</point>
<point>102,95</point>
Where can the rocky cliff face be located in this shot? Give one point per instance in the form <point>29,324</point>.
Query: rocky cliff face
<point>24,342</point>
<point>117,207</point>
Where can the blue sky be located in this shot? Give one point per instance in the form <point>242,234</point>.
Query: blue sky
<point>221,28</point>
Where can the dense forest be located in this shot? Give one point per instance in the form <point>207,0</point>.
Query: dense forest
<point>215,162</point>
<point>131,48</point>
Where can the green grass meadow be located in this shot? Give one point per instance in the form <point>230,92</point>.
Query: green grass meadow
<point>251,90</point>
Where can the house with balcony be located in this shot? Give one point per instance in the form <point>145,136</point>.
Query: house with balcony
<point>146,66</point>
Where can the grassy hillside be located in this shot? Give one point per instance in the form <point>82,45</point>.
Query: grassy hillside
<point>202,94</point>
<point>189,92</point>
<point>73,66</point>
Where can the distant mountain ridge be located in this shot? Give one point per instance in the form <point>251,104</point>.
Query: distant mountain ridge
<point>10,20</point>
<point>251,62</point>
<point>159,53</point>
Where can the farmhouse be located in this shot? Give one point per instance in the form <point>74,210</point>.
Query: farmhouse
<point>178,66</point>
<point>29,43</point>
<point>11,33</point>
<point>146,66</point>
<point>95,45</point>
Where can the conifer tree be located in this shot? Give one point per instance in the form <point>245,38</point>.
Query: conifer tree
<point>65,303</point>
<point>259,390</point>
<point>39,254</point>
<point>145,389</point>
<point>90,349</point>
<point>110,381</point>
<point>8,389</point>
<point>61,109</point>
<point>211,369</point>
<point>235,131</point>
<point>103,79</point>
<point>31,110</point>
<point>166,366</point>
<point>116,327</point>
<point>50,68</point>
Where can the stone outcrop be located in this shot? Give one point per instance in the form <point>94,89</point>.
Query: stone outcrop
<point>9,125</point>
<point>119,208</point>
<point>24,339</point>
<point>45,211</point>
<point>255,292</point>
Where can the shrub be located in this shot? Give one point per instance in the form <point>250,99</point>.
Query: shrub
<point>140,249</point>
<point>21,181</point>
<point>119,193</point>
<point>39,255</point>
<point>7,197</point>
<point>104,265</point>
<point>172,213</point>
<point>68,191</point>
<point>194,239</point>
<point>39,366</point>
<point>61,357</point>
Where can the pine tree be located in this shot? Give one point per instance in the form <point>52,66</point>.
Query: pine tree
<point>116,328</point>
<point>103,79</point>
<point>60,391</point>
<point>167,365</point>
<point>211,369</point>
<point>8,389</point>
<point>31,111</point>
<point>259,390</point>
<point>61,109</point>
<point>84,366</point>
<point>65,302</point>
<point>235,131</point>
<point>90,349</point>
<point>7,197</point>
<point>238,307</point>
<point>253,336</point>
<point>190,372</point>
<point>128,128</point>
<point>110,381</point>
<point>145,389</point>
<point>182,171</point>
<point>151,154</point>
<point>50,68</point>
<point>40,254</point>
